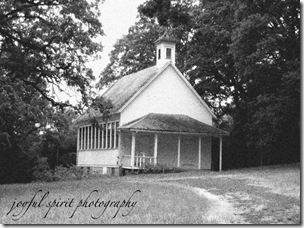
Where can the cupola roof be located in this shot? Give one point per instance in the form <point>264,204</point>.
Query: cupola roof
<point>166,37</point>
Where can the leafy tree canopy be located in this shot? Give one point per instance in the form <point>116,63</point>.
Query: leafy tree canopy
<point>47,42</point>
<point>242,57</point>
<point>43,44</point>
<point>133,52</point>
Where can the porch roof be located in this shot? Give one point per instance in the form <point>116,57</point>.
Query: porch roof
<point>172,123</point>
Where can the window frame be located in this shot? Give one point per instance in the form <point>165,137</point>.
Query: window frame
<point>168,53</point>
<point>105,137</point>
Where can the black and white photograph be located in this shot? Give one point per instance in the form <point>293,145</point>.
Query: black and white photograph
<point>169,112</point>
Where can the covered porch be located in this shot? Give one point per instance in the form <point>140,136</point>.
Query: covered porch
<point>165,139</point>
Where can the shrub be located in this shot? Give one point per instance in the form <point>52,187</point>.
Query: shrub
<point>42,171</point>
<point>70,173</point>
<point>160,169</point>
<point>67,160</point>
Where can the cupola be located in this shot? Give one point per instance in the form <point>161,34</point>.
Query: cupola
<point>165,49</point>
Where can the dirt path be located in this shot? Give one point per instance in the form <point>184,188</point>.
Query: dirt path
<point>251,198</point>
<point>255,196</point>
<point>222,211</point>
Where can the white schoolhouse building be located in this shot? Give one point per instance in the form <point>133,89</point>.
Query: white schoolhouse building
<point>157,119</point>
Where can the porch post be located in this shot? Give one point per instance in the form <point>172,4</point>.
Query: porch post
<point>78,145</point>
<point>133,149</point>
<point>199,151</point>
<point>178,151</point>
<point>220,165</point>
<point>155,148</point>
<point>119,148</point>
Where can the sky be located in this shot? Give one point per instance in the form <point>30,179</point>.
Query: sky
<point>117,16</point>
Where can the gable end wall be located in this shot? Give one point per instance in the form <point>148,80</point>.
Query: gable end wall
<point>167,94</point>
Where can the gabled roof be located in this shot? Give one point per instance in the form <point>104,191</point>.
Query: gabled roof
<point>90,113</point>
<point>125,88</point>
<point>167,37</point>
<point>172,123</point>
<point>128,87</point>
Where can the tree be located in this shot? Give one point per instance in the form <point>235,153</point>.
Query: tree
<point>133,52</point>
<point>59,139</point>
<point>136,50</point>
<point>22,113</point>
<point>43,44</point>
<point>266,51</point>
<point>243,58</point>
<point>47,43</point>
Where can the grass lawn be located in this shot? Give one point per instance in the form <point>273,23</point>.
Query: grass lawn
<point>262,195</point>
<point>155,203</point>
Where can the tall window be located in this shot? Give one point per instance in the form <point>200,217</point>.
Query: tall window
<point>168,53</point>
<point>103,137</point>
<point>109,133</point>
<point>89,137</point>
<point>159,54</point>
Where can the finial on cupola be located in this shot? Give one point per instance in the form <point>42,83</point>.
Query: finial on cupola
<point>165,49</point>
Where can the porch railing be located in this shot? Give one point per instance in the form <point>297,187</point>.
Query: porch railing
<point>139,161</point>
